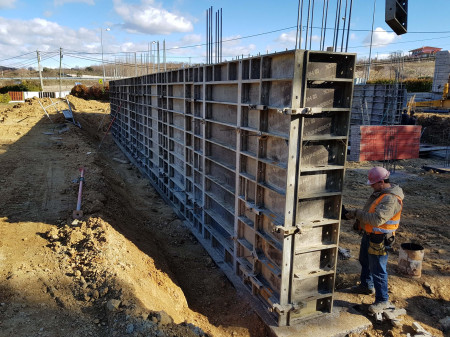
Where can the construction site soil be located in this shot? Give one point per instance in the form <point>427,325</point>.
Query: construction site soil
<point>130,267</point>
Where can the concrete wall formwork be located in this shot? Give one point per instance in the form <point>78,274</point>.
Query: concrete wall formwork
<point>441,71</point>
<point>378,104</point>
<point>251,153</point>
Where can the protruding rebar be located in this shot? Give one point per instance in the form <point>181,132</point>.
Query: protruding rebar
<point>348,26</point>
<point>312,20</point>
<point>307,25</point>
<point>343,25</point>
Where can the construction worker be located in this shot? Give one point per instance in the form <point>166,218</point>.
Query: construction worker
<point>378,221</point>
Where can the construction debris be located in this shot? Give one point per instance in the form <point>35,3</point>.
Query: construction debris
<point>78,213</point>
<point>421,332</point>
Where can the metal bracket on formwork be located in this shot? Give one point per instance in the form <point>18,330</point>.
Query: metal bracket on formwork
<point>257,107</point>
<point>252,208</point>
<point>286,230</point>
<point>255,255</point>
<point>258,285</point>
<point>284,309</point>
<point>301,111</point>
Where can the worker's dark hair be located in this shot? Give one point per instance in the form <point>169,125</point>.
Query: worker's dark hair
<point>386,181</point>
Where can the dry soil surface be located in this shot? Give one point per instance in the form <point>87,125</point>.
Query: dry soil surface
<point>130,268</point>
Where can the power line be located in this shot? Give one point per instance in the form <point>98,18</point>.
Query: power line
<point>73,53</point>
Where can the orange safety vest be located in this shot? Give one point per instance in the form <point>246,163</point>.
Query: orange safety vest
<point>389,226</point>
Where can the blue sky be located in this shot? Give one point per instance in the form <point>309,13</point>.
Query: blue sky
<point>249,27</point>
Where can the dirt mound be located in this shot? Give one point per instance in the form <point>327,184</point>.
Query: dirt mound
<point>81,105</point>
<point>435,128</point>
<point>101,264</point>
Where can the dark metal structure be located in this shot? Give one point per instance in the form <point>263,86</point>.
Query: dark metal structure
<point>251,154</point>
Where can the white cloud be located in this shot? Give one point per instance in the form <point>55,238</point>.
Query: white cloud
<point>149,17</point>
<point>7,3</point>
<point>234,48</point>
<point>187,40</point>
<point>62,2</point>
<point>287,38</point>
<point>19,37</point>
<point>381,38</point>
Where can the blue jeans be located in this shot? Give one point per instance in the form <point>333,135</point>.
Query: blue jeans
<point>373,271</point>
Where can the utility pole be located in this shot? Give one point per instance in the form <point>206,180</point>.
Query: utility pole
<point>157,46</point>
<point>135,64</point>
<point>39,68</point>
<point>60,66</point>
<point>164,55</point>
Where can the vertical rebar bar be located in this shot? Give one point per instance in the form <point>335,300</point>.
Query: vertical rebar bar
<point>325,29</point>
<point>298,20</point>
<point>307,25</point>
<point>348,25</point>
<point>321,28</point>
<point>338,24</point>
<point>221,45</point>
<point>216,34</point>
<point>210,36</point>
<point>371,40</point>
<point>207,37</point>
<point>335,25</point>
<point>301,26</point>
<point>312,20</point>
<point>343,25</point>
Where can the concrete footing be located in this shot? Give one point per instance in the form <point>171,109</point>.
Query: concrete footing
<point>342,321</point>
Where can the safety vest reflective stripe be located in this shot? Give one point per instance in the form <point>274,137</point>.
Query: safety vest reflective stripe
<point>382,230</point>
<point>392,222</point>
<point>389,226</point>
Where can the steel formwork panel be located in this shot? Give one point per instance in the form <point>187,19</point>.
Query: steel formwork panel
<point>378,104</point>
<point>251,153</point>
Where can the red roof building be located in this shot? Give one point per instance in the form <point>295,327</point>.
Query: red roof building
<point>424,51</point>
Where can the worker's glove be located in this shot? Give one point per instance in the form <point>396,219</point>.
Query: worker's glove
<point>351,213</point>
<point>357,226</point>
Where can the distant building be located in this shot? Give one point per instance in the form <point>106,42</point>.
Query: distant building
<point>424,51</point>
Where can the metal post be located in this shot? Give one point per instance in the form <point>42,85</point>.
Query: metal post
<point>39,68</point>
<point>60,65</point>
<point>157,55</point>
<point>164,55</point>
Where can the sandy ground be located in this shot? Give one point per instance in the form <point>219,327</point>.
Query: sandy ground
<point>130,268</point>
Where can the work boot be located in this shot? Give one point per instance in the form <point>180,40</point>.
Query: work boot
<point>364,290</point>
<point>380,307</point>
